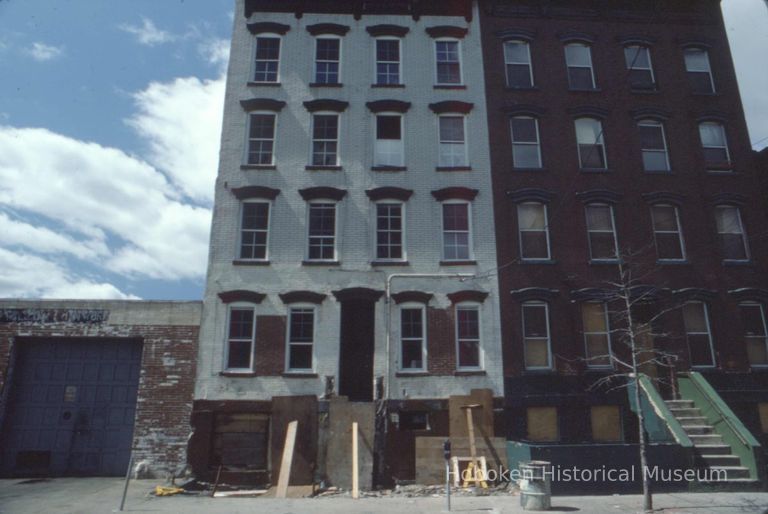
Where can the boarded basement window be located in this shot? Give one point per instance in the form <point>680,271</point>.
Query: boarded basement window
<point>542,424</point>
<point>763,410</point>
<point>412,420</point>
<point>606,423</point>
<point>240,441</point>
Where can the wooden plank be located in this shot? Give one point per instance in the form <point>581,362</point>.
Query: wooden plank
<point>285,465</point>
<point>355,471</point>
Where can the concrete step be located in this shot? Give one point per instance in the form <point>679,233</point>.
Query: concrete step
<point>686,412</point>
<point>698,429</point>
<point>680,404</point>
<point>721,460</point>
<point>706,439</point>
<point>695,421</point>
<point>731,472</point>
<point>705,450</point>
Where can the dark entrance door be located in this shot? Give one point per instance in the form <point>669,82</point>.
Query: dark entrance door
<point>71,408</point>
<point>357,334</point>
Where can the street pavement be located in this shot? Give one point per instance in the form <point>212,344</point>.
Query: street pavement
<point>102,495</point>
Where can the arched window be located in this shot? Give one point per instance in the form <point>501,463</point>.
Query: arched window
<point>517,59</point>
<point>653,145</point>
<point>591,143</point>
<point>578,59</point>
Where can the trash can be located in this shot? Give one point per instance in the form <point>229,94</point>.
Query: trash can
<point>535,485</point>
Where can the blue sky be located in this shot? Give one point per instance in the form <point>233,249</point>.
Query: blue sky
<point>110,118</point>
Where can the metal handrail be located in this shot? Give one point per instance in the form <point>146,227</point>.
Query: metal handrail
<point>723,417</point>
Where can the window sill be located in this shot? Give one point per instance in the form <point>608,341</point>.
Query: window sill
<point>594,170</point>
<point>237,374</point>
<point>458,263</point>
<point>738,263</point>
<point>658,172</point>
<point>450,86</point>
<point>389,168</point>
<point>644,90</point>
<point>258,167</point>
<point>388,86</point>
<point>323,168</point>
<point>411,374</point>
<point>522,89</point>
<point>673,262</point>
<point>538,371</point>
<point>299,374</point>
<point>252,83</point>
<point>390,263</point>
<point>323,84</point>
<point>589,90</point>
<point>529,169</point>
<point>603,262</point>
<point>248,262</point>
<point>453,168</point>
<point>469,373</point>
<point>720,170</point>
<point>320,263</point>
<point>538,261</point>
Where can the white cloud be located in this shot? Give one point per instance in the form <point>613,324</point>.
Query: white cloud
<point>181,123</point>
<point>42,52</point>
<point>28,276</point>
<point>148,33</point>
<point>46,241</point>
<point>215,51</point>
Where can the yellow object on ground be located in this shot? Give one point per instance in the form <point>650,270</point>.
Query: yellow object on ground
<point>167,491</point>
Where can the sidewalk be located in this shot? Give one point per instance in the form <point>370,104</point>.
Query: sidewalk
<point>102,495</point>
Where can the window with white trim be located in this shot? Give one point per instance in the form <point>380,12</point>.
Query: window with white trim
<point>327,60</point>
<point>457,232</point>
<point>714,144</point>
<point>322,231</point>
<point>413,347</point>
<point>597,334</point>
<point>698,334</point>
<point>653,145</point>
<point>387,61</point>
<point>536,339</point>
<point>591,143</point>
<point>755,335</point>
<point>730,231</point>
<point>533,231</point>
<point>389,231</point>
<point>267,59</point>
<point>261,139</point>
<point>517,59</point>
<point>601,232</point>
<point>453,147</point>
<point>468,347</point>
<point>301,338</point>
<point>667,233</point>
<point>699,71</point>
<point>241,338</point>
<point>638,59</point>
<point>526,149</point>
<point>325,139</point>
<point>578,59</point>
<point>389,149</point>
<point>254,230</point>
<point>448,59</point>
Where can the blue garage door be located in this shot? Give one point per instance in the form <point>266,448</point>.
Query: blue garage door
<point>71,408</point>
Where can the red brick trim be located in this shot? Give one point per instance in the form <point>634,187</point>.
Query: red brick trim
<point>326,104</point>
<point>455,193</point>
<point>451,106</point>
<point>262,104</point>
<point>358,293</point>
<point>266,26</point>
<point>387,30</point>
<point>412,296</point>
<point>389,193</point>
<point>319,29</point>
<point>447,31</point>
<point>388,106</point>
<point>241,295</point>
<point>320,193</point>
<point>247,192</point>
<point>467,296</point>
<point>302,297</point>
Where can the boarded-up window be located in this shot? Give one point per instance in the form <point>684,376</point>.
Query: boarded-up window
<point>606,423</point>
<point>240,440</point>
<point>763,410</point>
<point>542,424</point>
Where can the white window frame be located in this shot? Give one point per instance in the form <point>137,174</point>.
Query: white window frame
<point>743,233</point>
<point>376,140</point>
<point>375,231</point>
<point>764,337</point>
<point>477,307</point>
<point>461,62</point>
<point>520,231</point>
<point>254,59</point>
<point>708,333</point>
<point>422,308</point>
<point>724,146</point>
<point>376,61</point>
<point>246,155</point>
<point>508,62</point>
<point>337,140</point>
<point>613,230</point>
<point>679,232</point>
<point>591,66</point>
<point>708,71</point>
<point>239,306</point>
<point>316,61</point>
<point>657,124</point>
<point>599,142</point>
<point>633,65</point>
<point>288,335</point>
<point>537,144</point>
<point>470,244</point>
<point>607,333</point>
<point>323,201</point>
<point>464,143</point>
<point>242,230</point>
<point>536,303</point>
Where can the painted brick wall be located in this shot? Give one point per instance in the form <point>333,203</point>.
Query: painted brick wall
<point>166,382</point>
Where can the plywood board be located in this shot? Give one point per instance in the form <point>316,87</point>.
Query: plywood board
<point>285,464</point>
<point>304,410</point>
<point>483,417</point>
